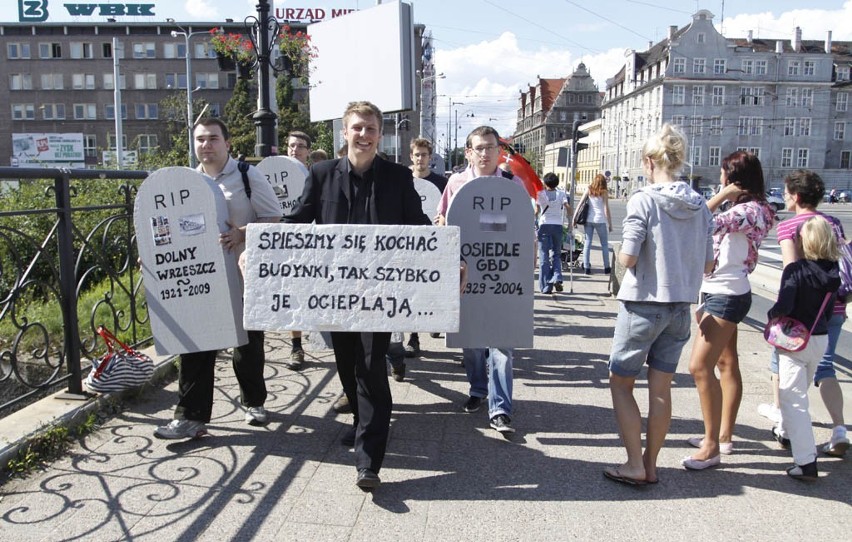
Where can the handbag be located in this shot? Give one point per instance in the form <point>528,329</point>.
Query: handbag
<point>119,368</point>
<point>786,333</point>
<point>845,264</point>
<point>582,213</point>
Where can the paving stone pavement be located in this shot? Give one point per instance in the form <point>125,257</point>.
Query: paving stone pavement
<point>447,476</point>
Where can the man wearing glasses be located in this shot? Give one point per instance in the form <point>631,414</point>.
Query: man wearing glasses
<point>489,370</point>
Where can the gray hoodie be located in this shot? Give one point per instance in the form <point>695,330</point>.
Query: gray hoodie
<point>669,229</point>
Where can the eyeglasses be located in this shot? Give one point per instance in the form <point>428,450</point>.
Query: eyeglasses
<point>485,149</point>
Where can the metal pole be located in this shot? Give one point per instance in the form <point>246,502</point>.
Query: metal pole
<point>116,99</point>
<point>189,87</point>
<point>264,118</point>
<point>396,138</point>
<point>67,284</point>
<point>456,138</point>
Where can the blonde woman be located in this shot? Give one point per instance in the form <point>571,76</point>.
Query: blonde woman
<point>599,220</point>
<point>666,248</point>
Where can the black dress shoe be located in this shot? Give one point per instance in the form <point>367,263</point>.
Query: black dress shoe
<point>367,480</point>
<point>348,438</point>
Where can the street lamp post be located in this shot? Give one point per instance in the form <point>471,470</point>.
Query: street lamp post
<point>397,123</point>
<point>187,35</point>
<point>427,109</point>
<point>454,134</point>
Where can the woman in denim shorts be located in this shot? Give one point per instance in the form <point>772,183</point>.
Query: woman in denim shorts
<point>725,302</point>
<point>666,247</point>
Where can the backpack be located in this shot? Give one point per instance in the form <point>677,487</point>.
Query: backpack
<point>244,167</point>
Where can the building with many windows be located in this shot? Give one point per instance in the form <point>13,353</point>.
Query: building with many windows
<point>787,101</point>
<point>547,111</point>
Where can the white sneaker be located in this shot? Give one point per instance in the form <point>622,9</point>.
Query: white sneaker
<point>256,415</point>
<point>178,429</point>
<point>839,442</point>
<point>770,412</point>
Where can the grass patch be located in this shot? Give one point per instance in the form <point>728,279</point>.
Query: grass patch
<point>49,445</point>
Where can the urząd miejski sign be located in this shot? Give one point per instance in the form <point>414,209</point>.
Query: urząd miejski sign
<point>36,11</point>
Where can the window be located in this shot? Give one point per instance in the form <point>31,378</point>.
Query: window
<point>715,125</point>
<point>90,145</point>
<point>80,81</point>
<point>142,81</point>
<point>53,111</point>
<point>714,157</point>
<point>718,95</point>
<point>204,50</point>
<point>81,50</point>
<point>144,50</point>
<point>23,112</point>
<point>839,130</point>
<point>16,51</point>
<point>698,95</point>
<point>207,80</point>
<point>146,111</point>
<point>750,126</point>
<point>178,80</point>
<point>678,94</point>
<point>804,126</point>
<point>695,156</point>
<point>792,99</point>
<point>147,143</point>
<point>111,141</point>
<point>108,82</point>
<point>678,120</point>
<point>85,111</point>
<point>807,97</point>
<point>174,50</point>
<point>106,50</point>
<point>760,67</point>
<point>802,158</point>
<point>109,111</point>
<point>696,125</point>
<point>679,65</point>
<point>49,50</point>
<point>52,81</point>
<point>787,157</point>
<point>789,126</point>
<point>699,65</point>
<point>720,65</point>
<point>752,95</point>
<point>20,81</point>
<point>701,37</point>
<point>842,73</point>
<point>748,66</point>
<point>756,126</point>
<point>563,116</point>
<point>794,67</point>
<point>842,101</point>
<point>845,159</point>
<point>809,67</point>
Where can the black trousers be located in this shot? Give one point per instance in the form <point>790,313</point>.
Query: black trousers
<point>196,375</point>
<point>363,372</point>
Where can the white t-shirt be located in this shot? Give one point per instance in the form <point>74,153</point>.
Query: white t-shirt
<point>552,203</point>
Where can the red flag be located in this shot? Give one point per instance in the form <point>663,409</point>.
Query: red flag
<point>521,168</point>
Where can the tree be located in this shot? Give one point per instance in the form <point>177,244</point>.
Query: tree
<point>238,113</point>
<point>174,141</point>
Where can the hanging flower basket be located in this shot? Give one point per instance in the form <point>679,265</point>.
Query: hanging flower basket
<point>296,51</point>
<point>244,70</point>
<point>226,63</point>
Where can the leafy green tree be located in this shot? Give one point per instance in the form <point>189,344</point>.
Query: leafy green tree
<point>238,113</point>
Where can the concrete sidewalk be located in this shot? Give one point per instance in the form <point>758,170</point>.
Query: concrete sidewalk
<point>447,476</point>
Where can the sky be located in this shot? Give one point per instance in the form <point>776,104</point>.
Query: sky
<point>491,50</point>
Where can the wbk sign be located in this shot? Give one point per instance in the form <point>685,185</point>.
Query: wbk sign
<point>36,11</point>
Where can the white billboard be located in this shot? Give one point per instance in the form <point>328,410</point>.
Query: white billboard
<point>48,150</point>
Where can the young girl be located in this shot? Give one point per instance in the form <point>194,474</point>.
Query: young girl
<point>804,284</point>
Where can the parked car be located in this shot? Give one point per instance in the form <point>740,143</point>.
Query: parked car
<point>844,196</point>
<point>776,200</point>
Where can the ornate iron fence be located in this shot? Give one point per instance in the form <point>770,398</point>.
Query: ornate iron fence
<point>54,254</point>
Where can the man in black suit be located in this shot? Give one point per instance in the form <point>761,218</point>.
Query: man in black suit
<point>362,188</point>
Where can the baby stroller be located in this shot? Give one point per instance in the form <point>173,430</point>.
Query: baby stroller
<point>571,252</point>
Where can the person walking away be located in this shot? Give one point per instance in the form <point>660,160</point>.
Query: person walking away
<point>667,246</point>
<point>599,220</point>
<point>551,203</point>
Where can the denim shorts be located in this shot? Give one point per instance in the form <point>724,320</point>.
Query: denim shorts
<point>731,308</point>
<point>652,333</point>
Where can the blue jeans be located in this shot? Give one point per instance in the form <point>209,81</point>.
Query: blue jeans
<point>489,372</point>
<point>825,369</point>
<point>549,252</point>
<point>603,236</point>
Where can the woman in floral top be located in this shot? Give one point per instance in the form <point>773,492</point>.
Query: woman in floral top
<point>725,302</point>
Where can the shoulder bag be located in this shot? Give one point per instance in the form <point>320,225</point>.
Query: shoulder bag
<point>582,214</point>
<point>120,368</point>
<point>786,333</point>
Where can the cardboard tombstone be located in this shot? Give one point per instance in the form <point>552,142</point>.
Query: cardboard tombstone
<point>192,284</point>
<point>287,177</point>
<point>429,196</point>
<point>497,223</point>
<point>350,277</point>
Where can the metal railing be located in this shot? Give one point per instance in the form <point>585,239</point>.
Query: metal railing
<point>54,253</point>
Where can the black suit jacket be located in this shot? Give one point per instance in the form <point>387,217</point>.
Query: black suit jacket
<point>325,198</point>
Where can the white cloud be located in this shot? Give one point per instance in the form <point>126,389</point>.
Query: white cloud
<point>202,9</point>
<point>813,22</point>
